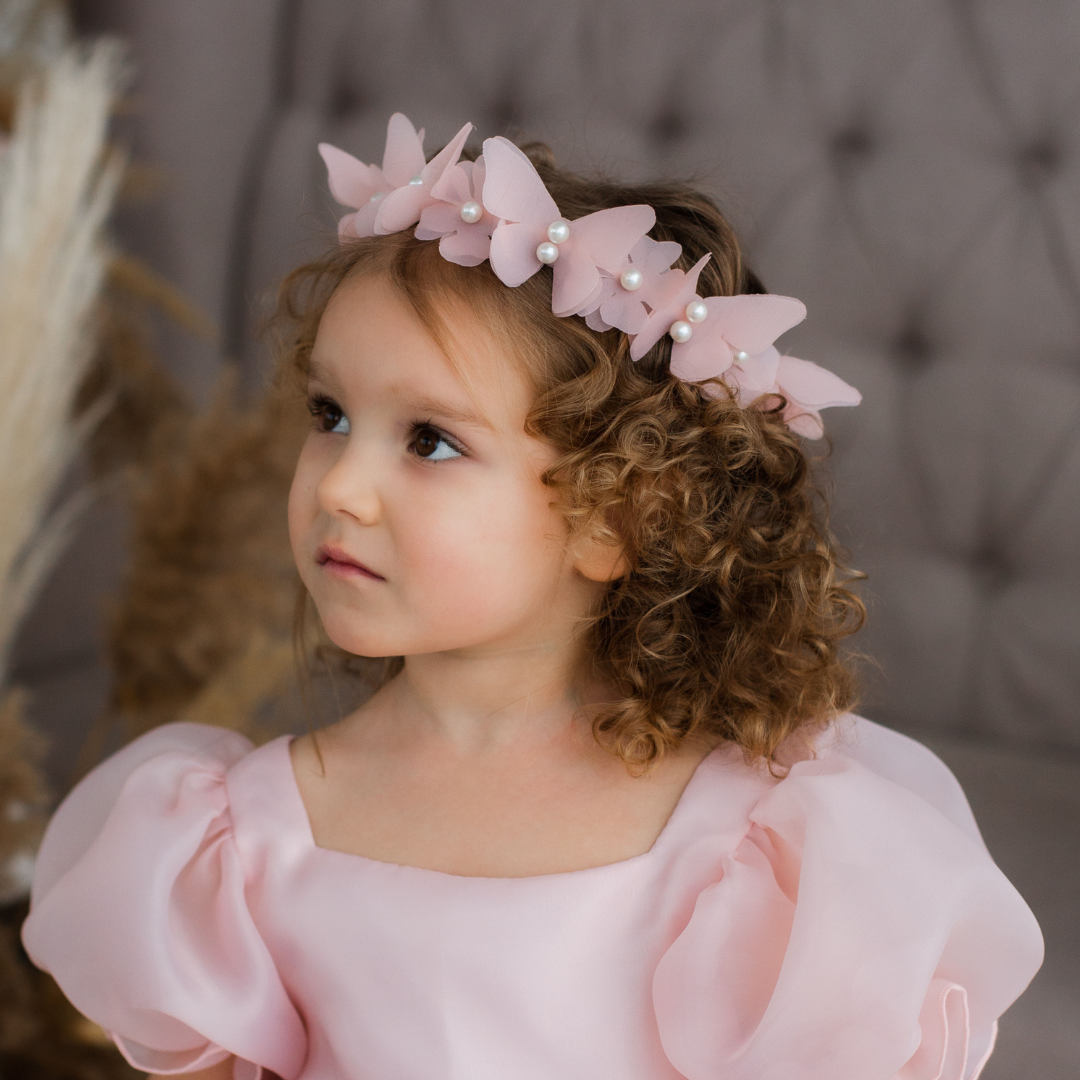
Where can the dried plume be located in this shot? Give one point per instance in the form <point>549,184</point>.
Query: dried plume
<point>23,797</point>
<point>57,185</point>
<point>202,625</point>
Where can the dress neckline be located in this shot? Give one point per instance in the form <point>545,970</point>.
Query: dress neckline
<point>299,812</point>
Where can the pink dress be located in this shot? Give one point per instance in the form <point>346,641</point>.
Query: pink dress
<point>842,923</point>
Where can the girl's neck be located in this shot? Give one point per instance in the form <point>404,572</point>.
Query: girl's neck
<point>486,700</point>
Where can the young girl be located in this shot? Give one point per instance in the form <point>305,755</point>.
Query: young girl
<point>607,816</point>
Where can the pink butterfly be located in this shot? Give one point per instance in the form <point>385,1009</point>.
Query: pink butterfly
<point>404,205</point>
<point>747,324</point>
<point>667,300</point>
<point>625,308</point>
<point>462,240</point>
<point>806,388</point>
<point>363,187</point>
<point>514,192</point>
<point>736,340</point>
<point>809,389</point>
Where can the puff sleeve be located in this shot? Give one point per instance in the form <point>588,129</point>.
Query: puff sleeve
<point>856,933</point>
<point>139,912</point>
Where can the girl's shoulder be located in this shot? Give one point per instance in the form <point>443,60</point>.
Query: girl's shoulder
<point>172,780</point>
<point>147,874</point>
<point>857,896</point>
<point>898,760</point>
<point>161,778</point>
<point>872,769</point>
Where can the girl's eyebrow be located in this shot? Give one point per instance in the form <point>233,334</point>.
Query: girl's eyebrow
<point>434,407</point>
<point>421,404</point>
<point>320,374</point>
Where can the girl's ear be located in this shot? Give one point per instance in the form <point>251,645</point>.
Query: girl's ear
<point>599,561</point>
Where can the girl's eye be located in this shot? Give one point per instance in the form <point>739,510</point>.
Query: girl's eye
<point>432,445</point>
<point>329,417</point>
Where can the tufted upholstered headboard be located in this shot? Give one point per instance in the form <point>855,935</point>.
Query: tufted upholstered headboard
<point>911,170</point>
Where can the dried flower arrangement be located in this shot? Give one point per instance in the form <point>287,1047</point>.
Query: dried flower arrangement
<point>58,180</point>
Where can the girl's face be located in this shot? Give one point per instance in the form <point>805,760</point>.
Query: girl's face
<point>417,516</point>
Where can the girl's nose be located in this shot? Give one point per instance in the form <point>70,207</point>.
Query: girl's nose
<point>349,486</point>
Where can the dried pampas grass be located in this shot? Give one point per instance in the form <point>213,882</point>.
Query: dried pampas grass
<point>247,688</point>
<point>57,185</point>
<point>211,572</point>
<point>32,33</point>
<point>147,409</point>
<point>23,798</point>
<point>32,30</point>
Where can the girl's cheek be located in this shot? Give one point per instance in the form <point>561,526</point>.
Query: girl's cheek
<point>471,539</point>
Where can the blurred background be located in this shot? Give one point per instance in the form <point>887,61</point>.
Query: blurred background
<point>908,168</point>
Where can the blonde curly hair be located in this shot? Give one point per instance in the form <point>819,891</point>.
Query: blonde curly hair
<point>728,623</point>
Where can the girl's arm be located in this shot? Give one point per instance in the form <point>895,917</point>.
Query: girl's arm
<point>221,1071</point>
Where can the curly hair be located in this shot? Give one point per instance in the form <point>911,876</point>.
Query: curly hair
<point>728,623</point>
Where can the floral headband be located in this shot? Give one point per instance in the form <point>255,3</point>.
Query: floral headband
<point>605,267</point>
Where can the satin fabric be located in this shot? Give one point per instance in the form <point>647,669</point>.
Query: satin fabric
<point>842,923</point>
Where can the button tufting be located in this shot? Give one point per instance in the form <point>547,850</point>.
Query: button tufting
<point>912,347</point>
<point>668,127</point>
<point>1039,161</point>
<point>992,569</point>
<point>504,115</point>
<point>345,100</point>
<point>852,146</point>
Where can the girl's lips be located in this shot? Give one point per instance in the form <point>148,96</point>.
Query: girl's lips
<point>342,564</point>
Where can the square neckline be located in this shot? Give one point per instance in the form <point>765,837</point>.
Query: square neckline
<point>303,820</point>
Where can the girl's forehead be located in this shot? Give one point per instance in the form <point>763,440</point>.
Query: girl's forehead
<point>372,341</point>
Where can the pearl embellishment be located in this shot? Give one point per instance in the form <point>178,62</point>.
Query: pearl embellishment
<point>547,253</point>
<point>697,311</point>
<point>681,332</point>
<point>416,181</point>
<point>472,212</point>
<point>631,279</point>
<point>558,233</point>
<point>742,357</point>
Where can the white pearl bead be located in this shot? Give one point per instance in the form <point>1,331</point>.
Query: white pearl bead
<point>558,232</point>
<point>631,279</point>
<point>697,311</point>
<point>472,212</point>
<point>681,332</point>
<point>547,253</point>
<point>416,181</point>
<point>742,357</point>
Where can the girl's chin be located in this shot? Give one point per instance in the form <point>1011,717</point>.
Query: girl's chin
<point>356,635</point>
<point>361,633</point>
<point>375,646</point>
<point>366,645</point>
